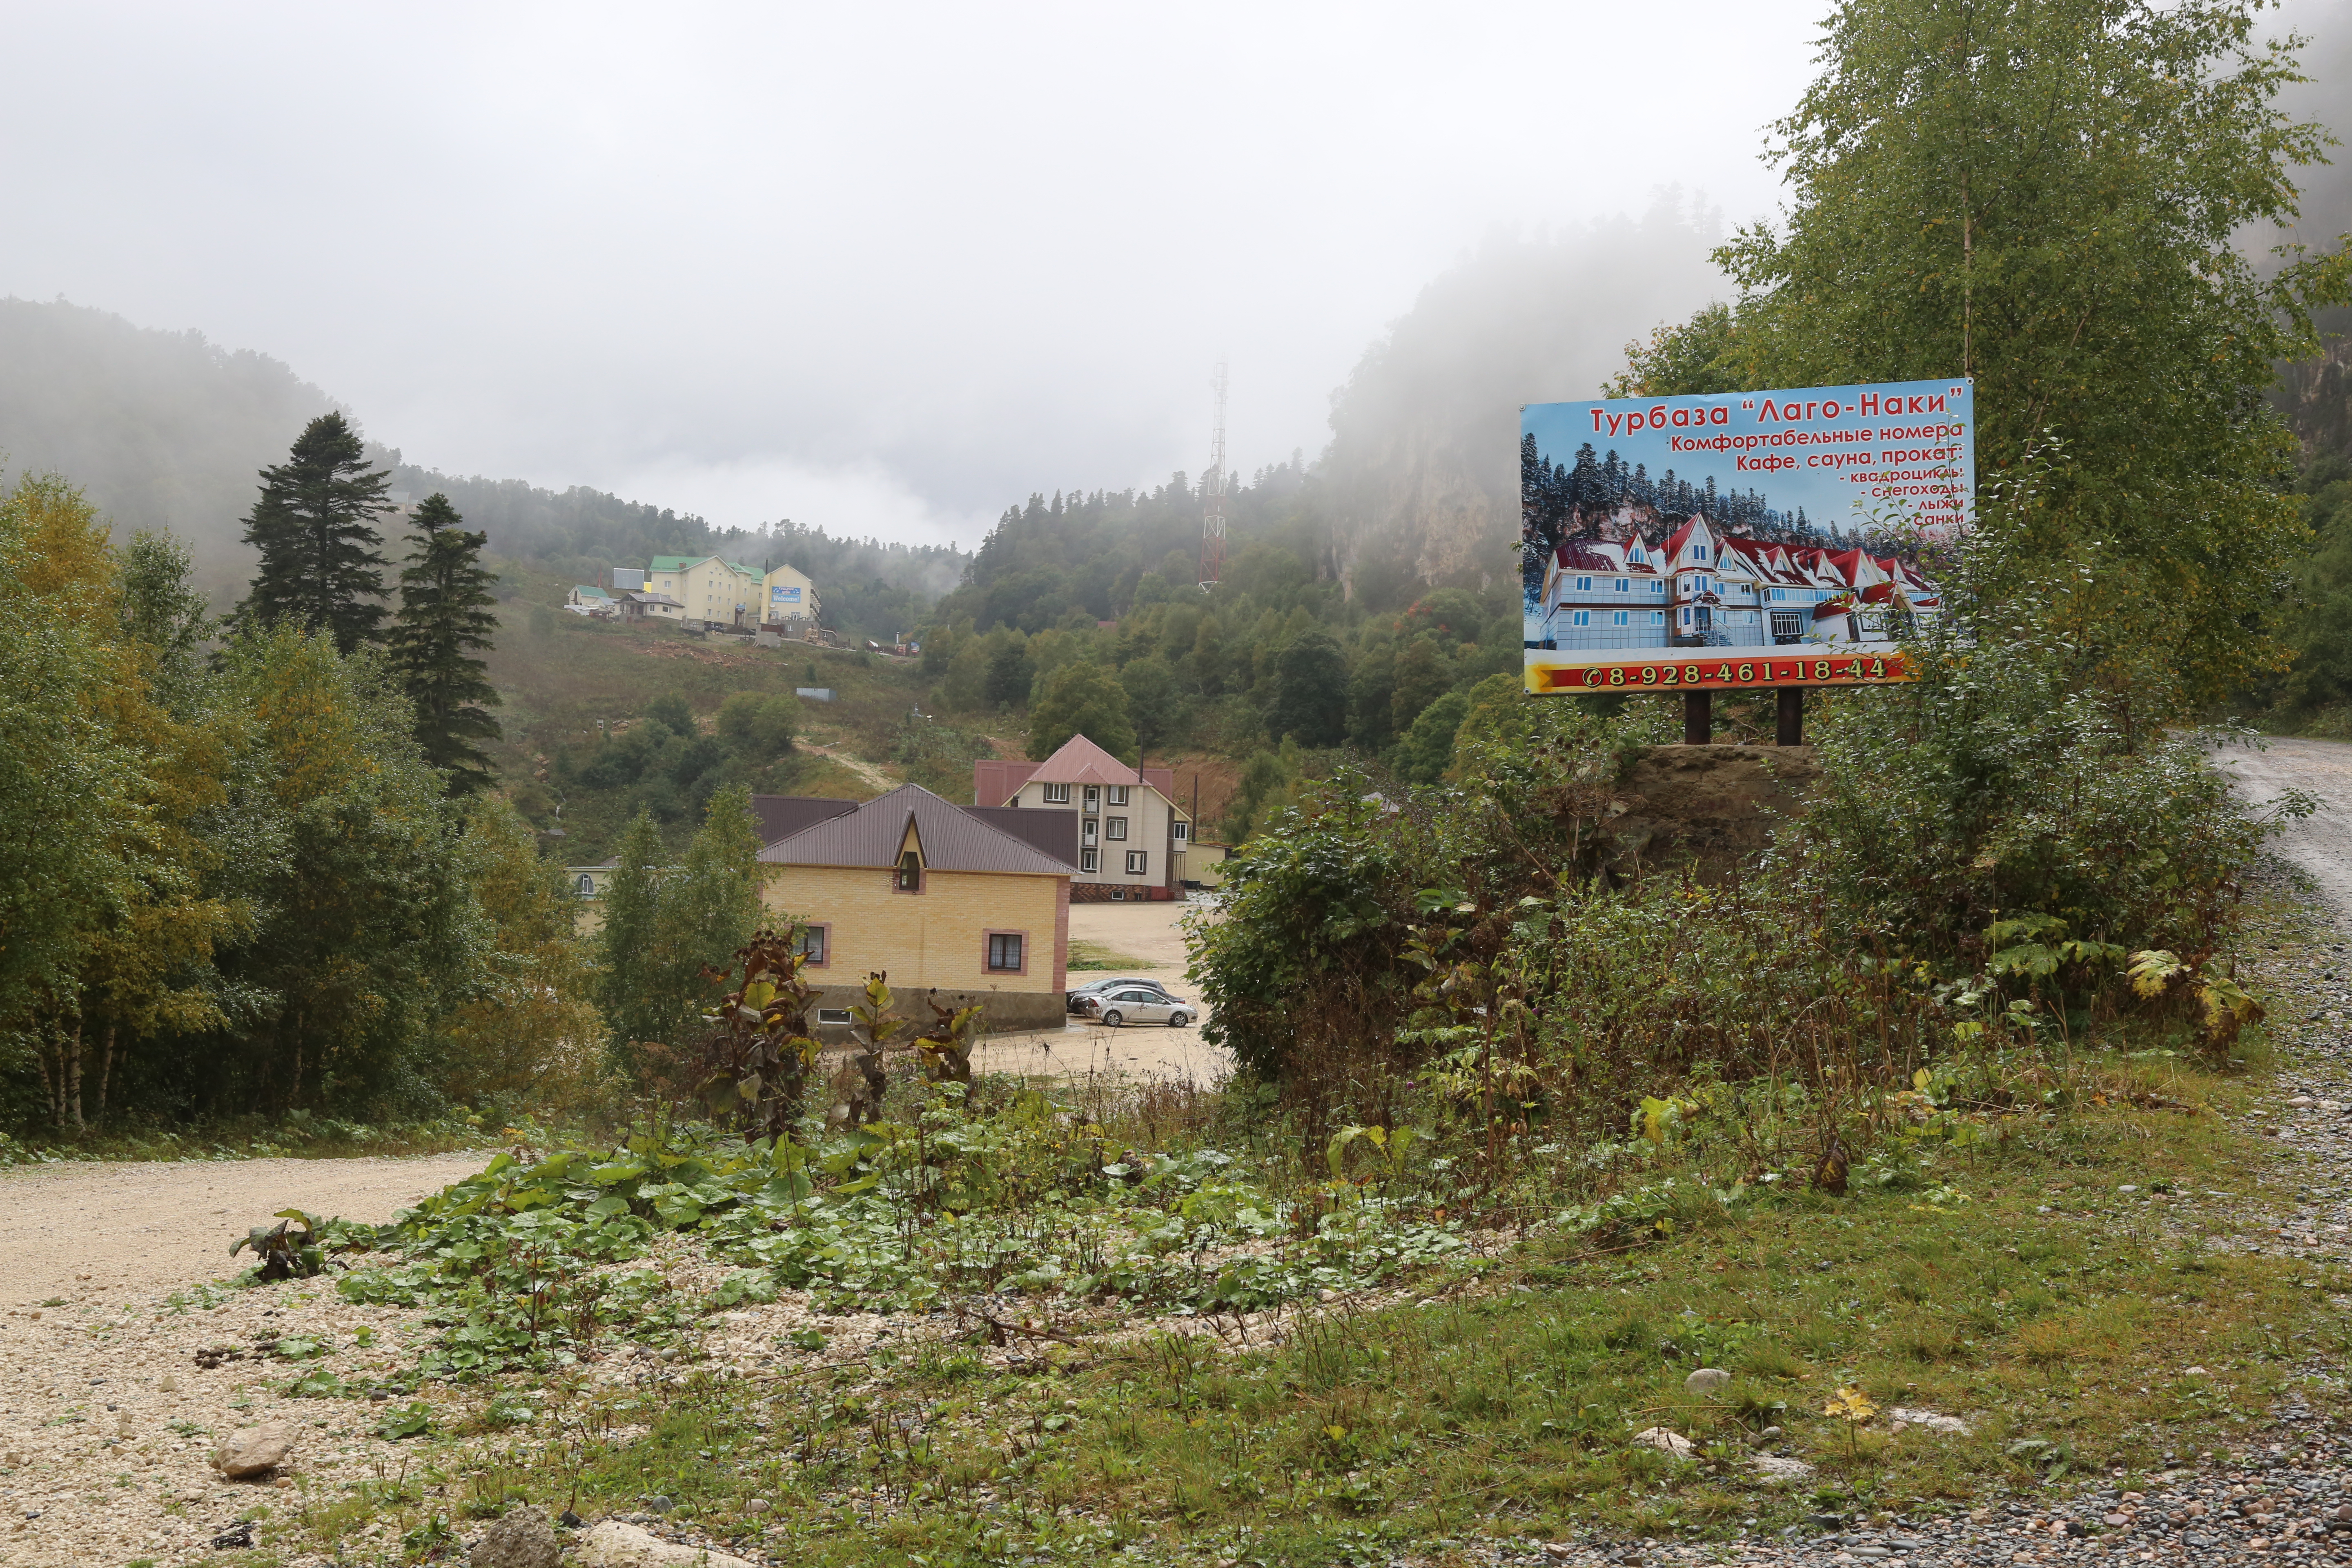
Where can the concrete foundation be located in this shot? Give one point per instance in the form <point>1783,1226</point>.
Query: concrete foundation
<point>1004,1012</point>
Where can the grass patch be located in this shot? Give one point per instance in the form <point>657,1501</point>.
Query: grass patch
<point>1091,955</point>
<point>2078,1328</point>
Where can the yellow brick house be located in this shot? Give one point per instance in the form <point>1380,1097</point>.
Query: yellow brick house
<point>936,894</point>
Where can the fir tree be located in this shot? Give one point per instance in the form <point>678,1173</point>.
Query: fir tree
<point>444,616</point>
<point>315,527</point>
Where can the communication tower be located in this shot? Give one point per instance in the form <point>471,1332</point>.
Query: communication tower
<point>1213,495</point>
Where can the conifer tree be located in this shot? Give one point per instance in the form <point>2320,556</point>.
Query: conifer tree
<point>315,526</point>
<point>444,618</point>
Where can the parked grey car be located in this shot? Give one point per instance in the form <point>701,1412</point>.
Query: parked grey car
<point>1075,998</point>
<point>1136,1004</point>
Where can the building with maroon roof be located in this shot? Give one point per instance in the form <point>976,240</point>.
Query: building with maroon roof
<point>1131,835</point>
<point>1701,587</point>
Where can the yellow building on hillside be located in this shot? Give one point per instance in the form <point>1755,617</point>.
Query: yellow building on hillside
<point>709,592</point>
<point>937,895</point>
<point>789,596</point>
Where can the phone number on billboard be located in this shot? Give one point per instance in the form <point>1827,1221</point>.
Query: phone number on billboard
<point>1743,672</point>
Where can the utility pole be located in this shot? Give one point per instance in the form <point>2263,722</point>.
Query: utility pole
<point>1213,495</point>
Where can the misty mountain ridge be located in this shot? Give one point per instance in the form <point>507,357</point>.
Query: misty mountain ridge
<point>167,431</point>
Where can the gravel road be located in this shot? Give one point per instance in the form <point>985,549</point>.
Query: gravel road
<point>2322,843</point>
<point>86,1232</point>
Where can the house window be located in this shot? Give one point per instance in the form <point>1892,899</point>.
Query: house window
<point>1686,614</point>
<point>1659,586</point>
<point>1008,953</point>
<point>1088,859</point>
<point>1583,618</point>
<point>1114,827</point>
<point>1657,617</point>
<point>1584,584</point>
<point>813,942</point>
<point>587,887</point>
<point>833,1014</point>
<point>1118,794</point>
<point>1780,593</point>
<point>1184,831</point>
<point>1093,799</point>
<point>1698,551</point>
<point>1057,795</point>
<point>1619,618</point>
<point>1635,555</point>
<point>1138,861</point>
<point>1624,584</point>
<point>910,872</point>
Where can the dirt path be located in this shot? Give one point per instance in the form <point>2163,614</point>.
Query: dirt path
<point>1153,935</point>
<point>867,774</point>
<point>98,1232</point>
<point>2322,843</point>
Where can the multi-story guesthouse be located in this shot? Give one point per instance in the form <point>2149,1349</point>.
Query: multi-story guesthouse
<point>712,592</point>
<point>788,603</point>
<point>1705,588</point>
<point>1133,836</point>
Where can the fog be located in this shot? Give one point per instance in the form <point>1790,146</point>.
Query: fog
<point>879,269</point>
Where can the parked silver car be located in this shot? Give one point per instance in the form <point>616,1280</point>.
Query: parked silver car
<point>1078,997</point>
<point>1136,1004</point>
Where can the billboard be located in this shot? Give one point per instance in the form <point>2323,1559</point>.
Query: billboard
<point>779,595</point>
<point>1740,538</point>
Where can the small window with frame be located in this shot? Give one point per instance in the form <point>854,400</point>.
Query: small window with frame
<point>1114,827</point>
<point>814,946</point>
<point>1008,953</point>
<point>909,878</point>
<point>1118,794</point>
<point>1089,859</point>
<point>1138,861</point>
<point>1057,795</point>
<point>1183,830</point>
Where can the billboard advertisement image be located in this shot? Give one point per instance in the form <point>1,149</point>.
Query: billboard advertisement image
<point>1737,538</point>
<point>779,595</point>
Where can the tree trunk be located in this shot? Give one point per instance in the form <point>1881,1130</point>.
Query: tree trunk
<point>52,1085</point>
<point>105,1070</point>
<point>73,1076</point>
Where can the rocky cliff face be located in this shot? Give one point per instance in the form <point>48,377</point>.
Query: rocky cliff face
<point>1422,475</point>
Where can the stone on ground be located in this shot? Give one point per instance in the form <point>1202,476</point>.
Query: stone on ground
<point>613,1544</point>
<point>1900,1417</point>
<point>252,1450</point>
<point>525,1538</point>
<point>1666,1442</point>
<point>1775,1471</point>
<point>1707,1380</point>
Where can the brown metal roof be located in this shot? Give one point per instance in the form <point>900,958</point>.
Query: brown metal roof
<point>782,816</point>
<point>952,839</point>
<point>1052,830</point>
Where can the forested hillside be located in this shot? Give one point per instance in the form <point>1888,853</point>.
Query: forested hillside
<point>167,430</point>
<point>161,430</point>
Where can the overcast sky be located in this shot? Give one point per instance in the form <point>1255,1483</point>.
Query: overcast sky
<point>878,267</point>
